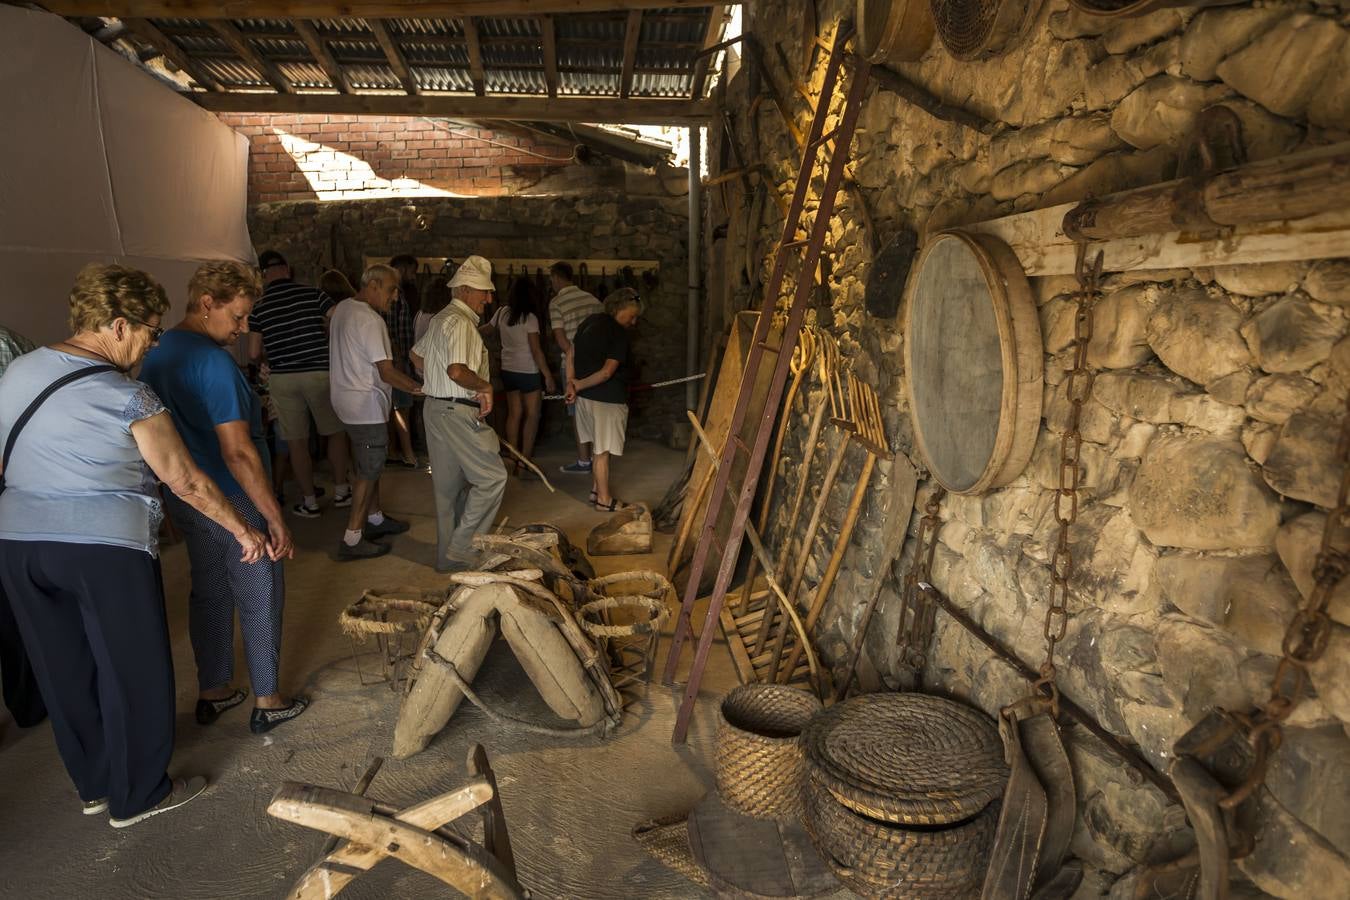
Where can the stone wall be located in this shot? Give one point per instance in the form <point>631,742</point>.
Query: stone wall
<point>315,236</point>
<point>1209,438</point>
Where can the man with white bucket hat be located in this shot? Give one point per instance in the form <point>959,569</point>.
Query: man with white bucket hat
<point>467,473</point>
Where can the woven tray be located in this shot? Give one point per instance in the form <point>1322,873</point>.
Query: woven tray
<point>878,859</point>
<point>907,758</point>
<point>759,764</point>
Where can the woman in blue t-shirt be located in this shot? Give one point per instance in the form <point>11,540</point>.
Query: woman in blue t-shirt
<point>79,543</point>
<point>220,418</point>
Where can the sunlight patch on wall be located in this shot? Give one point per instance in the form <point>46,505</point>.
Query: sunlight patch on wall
<point>335,175</point>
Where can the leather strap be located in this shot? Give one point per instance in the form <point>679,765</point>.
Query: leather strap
<point>40,399</point>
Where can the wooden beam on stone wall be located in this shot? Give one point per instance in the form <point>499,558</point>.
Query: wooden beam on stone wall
<point>712,35</point>
<point>338,9</point>
<point>395,57</point>
<point>146,31</point>
<point>240,45</point>
<point>457,106</point>
<point>550,54</point>
<point>476,75</point>
<point>632,32</point>
<point>319,50</point>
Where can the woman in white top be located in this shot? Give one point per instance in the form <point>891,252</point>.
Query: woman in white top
<point>525,371</point>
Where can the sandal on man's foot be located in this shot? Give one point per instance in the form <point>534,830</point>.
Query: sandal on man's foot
<point>614,505</point>
<point>264,720</point>
<point>209,710</point>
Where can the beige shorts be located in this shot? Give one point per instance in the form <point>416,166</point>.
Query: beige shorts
<point>298,395</point>
<point>602,425</point>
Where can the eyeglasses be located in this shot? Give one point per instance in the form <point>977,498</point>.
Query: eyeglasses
<point>156,331</point>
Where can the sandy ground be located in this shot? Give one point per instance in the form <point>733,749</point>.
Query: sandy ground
<point>569,805</point>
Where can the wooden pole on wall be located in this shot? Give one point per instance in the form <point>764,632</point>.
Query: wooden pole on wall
<point>695,263</point>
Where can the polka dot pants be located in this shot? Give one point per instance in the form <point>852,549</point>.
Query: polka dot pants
<point>222,584</point>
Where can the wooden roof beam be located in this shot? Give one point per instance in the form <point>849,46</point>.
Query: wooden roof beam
<point>475,55</point>
<point>458,106</point>
<point>711,36</point>
<point>319,50</point>
<point>394,56</point>
<point>550,39</point>
<point>146,31</point>
<point>632,31</point>
<point>337,9</point>
<point>240,45</point>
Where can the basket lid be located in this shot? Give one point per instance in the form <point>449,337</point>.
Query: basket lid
<point>907,758</point>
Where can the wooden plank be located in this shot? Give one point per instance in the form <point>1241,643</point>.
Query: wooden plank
<point>1038,239</point>
<point>146,31</point>
<point>550,54</point>
<point>455,106</point>
<point>321,56</point>
<point>359,9</point>
<point>395,57</point>
<point>235,38</point>
<point>712,35</point>
<point>739,658</point>
<point>632,31</point>
<point>475,55</point>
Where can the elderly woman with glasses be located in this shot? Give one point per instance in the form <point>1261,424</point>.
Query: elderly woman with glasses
<point>221,420</point>
<point>79,526</point>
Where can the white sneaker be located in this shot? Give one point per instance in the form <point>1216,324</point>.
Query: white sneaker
<point>307,512</point>
<point>94,807</point>
<point>183,791</point>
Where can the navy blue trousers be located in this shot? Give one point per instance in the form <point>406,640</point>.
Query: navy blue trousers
<point>16,672</point>
<point>92,620</point>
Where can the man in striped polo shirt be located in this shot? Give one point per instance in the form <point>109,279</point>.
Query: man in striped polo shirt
<point>570,307</point>
<point>290,327</point>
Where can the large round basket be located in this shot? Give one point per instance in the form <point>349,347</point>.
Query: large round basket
<point>879,859</point>
<point>912,759</point>
<point>981,29</point>
<point>759,764</point>
<point>973,361</point>
<point>894,30</point>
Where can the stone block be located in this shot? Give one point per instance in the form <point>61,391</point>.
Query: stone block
<point>1330,106</point>
<point>1162,111</point>
<point>1215,34</point>
<point>1275,398</point>
<point>1116,171</point>
<point>1282,68</point>
<point>1298,543</point>
<point>1135,440</point>
<point>1199,493</point>
<point>1261,278</point>
<point>1196,335</point>
<point>1129,33</point>
<point>1264,134</point>
<point>1293,333</point>
<point>1258,438</point>
<point>1119,329</point>
<point>1201,665</point>
<point>1291,861</point>
<point>1250,597</point>
<point>1095,423</point>
<point>1057,323</point>
<point>1156,399</point>
<point>1312,767</point>
<point>1079,140</point>
<point>1232,388</point>
<point>1331,674</point>
<point>1329,281</point>
<point>1031,176</point>
<point>1302,464</point>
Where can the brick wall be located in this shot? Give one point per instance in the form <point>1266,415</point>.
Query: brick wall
<point>308,157</point>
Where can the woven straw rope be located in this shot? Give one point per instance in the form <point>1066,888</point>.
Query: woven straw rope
<point>358,620</point>
<point>759,762</point>
<point>592,622</point>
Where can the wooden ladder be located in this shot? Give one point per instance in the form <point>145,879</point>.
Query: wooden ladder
<point>808,250</point>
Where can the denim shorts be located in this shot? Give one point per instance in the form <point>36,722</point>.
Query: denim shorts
<point>525,382</point>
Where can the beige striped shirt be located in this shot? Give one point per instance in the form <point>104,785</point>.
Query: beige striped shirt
<point>452,337</point>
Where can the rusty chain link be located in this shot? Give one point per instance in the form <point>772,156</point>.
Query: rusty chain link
<point>1079,389</point>
<point>913,638</point>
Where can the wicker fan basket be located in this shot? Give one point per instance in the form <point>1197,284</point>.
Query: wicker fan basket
<point>981,29</point>
<point>759,765</point>
<point>878,859</point>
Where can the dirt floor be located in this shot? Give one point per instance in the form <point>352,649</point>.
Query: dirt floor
<point>570,805</point>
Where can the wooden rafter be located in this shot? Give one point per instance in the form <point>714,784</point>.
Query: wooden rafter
<point>235,38</point>
<point>336,9</point>
<point>395,57</point>
<point>147,32</point>
<point>453,106</point>
<point>319,50</point>
<point>550,54</point>
<point>711,35</point>
<point>632,31</point>
<point>475,55</point>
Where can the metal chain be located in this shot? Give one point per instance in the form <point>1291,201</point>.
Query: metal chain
<point>1079,385</point>
<point>1305,640</point>
<point>913,638</point>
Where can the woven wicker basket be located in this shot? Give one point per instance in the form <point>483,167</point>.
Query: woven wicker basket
<point>759,765</point>
<point>878,859</point>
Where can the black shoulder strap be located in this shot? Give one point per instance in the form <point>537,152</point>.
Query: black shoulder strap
<point>42,398</point>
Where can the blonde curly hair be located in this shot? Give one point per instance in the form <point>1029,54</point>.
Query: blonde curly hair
<point>222,281</point>
<point>105,293</point>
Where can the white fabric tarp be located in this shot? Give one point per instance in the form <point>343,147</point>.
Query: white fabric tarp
<point>101,162</point>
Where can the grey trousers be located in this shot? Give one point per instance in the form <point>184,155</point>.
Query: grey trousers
<point>467,475</point>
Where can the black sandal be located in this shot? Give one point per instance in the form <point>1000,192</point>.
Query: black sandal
<point>614,505</point>
<point>264,720</point>
<point>210,710</point>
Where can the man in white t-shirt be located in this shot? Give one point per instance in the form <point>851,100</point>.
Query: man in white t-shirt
<point>361,375</point>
